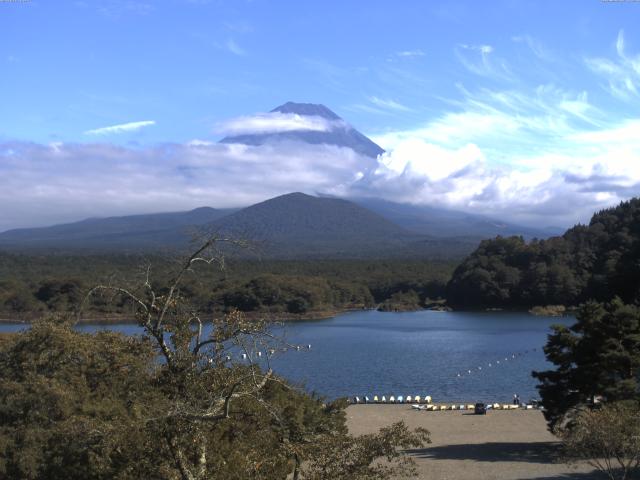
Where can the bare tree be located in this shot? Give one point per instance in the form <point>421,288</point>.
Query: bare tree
<point>206,365</point>
<point>218,369</point>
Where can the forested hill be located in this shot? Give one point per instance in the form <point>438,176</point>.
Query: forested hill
<point>598,261</point>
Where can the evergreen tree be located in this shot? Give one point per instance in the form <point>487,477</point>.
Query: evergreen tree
<point>598,261</point>
<point>597,358</point>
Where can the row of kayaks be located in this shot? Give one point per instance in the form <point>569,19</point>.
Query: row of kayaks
<point>490,406</point>
<point>425,403</point>
<point>393,399</point>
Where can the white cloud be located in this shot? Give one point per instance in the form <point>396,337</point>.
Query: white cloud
<point>121,128</point>
<point>66,182</point>
<point>536,47</point>
<point>622,73</point>
<point>234,48</point>
<point>199,143</point>
<point>410,53</point>
<point>274,122</point>
<point>545,156</point>
<point>478,59</point>
<point>542,155</point>
<point>389,104</point>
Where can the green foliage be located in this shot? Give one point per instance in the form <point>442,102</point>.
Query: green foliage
<point>597,261</point>
<point>355,458</point>
<point>607,438</point>
<point>171,404</point>
<point>597,358</point>
<point>98,406</point>
<point>56,283</point>
<point>401,302</point>
<point>70,404</point>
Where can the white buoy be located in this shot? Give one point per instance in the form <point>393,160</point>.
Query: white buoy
<point>298,347</point>
<point>244,356</point>
<point>309,346</point>
<point>259,354</point>
<point>469,372</point>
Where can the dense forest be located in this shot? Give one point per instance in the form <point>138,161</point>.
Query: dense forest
<point>596,261</point>
<point>32,285</point>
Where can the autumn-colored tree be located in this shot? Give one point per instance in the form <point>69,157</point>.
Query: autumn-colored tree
<point>192,398</point>
<point>607,438</point>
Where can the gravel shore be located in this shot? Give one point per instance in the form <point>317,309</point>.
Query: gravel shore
<point>502,445</point>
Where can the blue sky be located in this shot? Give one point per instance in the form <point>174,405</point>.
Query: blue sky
<point>523,109</point>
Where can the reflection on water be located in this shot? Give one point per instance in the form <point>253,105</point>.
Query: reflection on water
<point>413,353</point>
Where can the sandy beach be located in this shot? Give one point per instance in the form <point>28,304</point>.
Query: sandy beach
<point>501,445</point>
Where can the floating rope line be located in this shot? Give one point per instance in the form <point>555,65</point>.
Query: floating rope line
<point>271,351</point>
<point>513,356</point>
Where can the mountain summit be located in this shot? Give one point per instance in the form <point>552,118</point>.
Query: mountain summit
<point>307,109</point>
<point>340,134</point>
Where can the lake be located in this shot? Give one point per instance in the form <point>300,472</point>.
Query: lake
<point>412,353</point>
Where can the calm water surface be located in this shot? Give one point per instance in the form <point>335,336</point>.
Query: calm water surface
<point>414,353</point>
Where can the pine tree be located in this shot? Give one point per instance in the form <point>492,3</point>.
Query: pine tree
<point>598,358</point>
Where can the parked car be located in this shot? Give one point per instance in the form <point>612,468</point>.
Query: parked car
<point>480,409</point>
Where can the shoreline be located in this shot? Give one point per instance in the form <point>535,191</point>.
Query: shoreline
<point>121,318</point>
<point>317,315</point>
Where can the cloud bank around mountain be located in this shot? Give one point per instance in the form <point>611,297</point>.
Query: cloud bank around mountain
<point>538,154</point>
<point>48,184</point>
<point>274,122</point>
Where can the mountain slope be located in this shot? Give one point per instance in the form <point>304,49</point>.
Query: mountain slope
<point>297,224</point>
<point>290,226</point>
<point>302,226</point>
<point>439,222</point>
<point>341,133</point>
<point>115,233</point>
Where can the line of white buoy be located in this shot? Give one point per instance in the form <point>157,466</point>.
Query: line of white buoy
<point>497,362</point>
<point>269,352</point>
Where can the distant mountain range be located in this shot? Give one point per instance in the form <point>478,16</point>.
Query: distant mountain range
<point>134,232</point>
<point>289,226</point>
<point>293,225</point>
<point>440,222</point>
<point>341,134</point>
